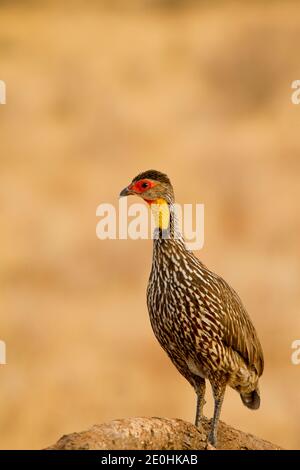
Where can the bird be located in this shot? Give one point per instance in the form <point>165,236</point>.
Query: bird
<point>196,316</point>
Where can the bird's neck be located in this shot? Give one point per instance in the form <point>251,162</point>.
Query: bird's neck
<point>166,224</point>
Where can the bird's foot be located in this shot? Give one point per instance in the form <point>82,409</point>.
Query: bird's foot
<point>210,447</point>
<point>212,441</point>
<point>201,430</point>
<point>202,433</point>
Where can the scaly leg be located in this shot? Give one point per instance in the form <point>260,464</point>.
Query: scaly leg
<point>200,390</point>
<point>218,392</point>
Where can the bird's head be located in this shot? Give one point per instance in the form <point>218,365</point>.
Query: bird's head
<point>152,186</point>
<point>156,189</point>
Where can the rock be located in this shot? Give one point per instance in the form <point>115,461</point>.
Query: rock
<point>157,434</point>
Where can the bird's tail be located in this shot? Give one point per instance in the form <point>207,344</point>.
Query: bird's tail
<point>251,399</point>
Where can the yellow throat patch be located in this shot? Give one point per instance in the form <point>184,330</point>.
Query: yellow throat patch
<point>161,213</point>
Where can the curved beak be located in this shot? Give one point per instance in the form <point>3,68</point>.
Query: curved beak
<point>126,192</point>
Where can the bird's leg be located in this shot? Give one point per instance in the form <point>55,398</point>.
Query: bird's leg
<point>200,390</point>
<point>218,392</point>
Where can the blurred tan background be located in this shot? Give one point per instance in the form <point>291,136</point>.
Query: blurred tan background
<point>97,92</point>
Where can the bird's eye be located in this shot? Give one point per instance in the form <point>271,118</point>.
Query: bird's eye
<point>144,185</point>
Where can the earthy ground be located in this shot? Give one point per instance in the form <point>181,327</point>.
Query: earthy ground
<point>95,95</point>
<point>158,434</point>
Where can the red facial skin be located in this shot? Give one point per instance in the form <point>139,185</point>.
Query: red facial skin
<point>138,188</point>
